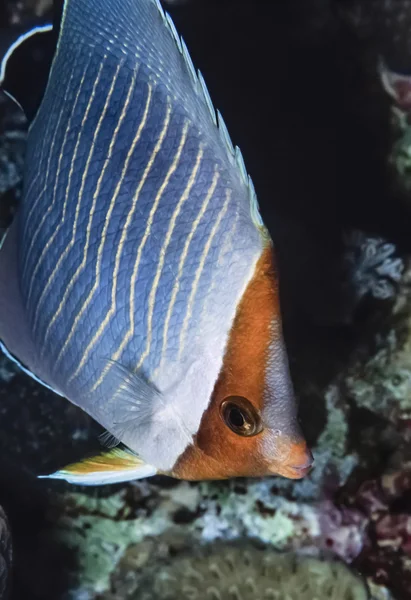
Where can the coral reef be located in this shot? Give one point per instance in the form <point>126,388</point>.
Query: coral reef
<point>247,573</point>
<point>385,502</point>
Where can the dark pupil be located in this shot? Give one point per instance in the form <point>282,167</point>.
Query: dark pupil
<point>237,418</point>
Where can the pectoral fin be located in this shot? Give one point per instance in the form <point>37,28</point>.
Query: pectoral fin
<point>115,466</point>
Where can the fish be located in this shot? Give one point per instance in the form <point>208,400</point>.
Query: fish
<point>137,279</point>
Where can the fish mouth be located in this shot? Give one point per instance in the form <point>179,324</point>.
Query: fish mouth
<point>299,464</point>
<point>296,472</point>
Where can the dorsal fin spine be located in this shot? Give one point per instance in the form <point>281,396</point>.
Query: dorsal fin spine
<point>241,164</point>
<point>225,136</point>
<point>173,31</point>
<point>254,206</point>
<point>189,62</point>
<point>207,97</point>
<point>200,84</point>
<point>161,10</point>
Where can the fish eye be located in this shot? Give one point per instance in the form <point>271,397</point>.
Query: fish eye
<point>240,416</point>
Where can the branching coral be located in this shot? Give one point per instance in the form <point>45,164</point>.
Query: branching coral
<point>372,265</point>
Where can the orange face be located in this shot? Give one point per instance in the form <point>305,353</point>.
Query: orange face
<point>250,427</point>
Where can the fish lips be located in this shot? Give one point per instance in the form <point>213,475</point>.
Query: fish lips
<point>298,463</point>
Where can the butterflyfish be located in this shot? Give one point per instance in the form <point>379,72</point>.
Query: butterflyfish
<point>137,279</point>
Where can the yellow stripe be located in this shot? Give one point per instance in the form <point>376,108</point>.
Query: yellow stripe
<point>160,192</point>
<point>112,309</point>
<point>45,140</point>
<point>66,199</point>
<point>83,182</point>
<point>183,258</point>
<point>43,191</point>
<point>111,207</point>
<point>199,272</point>
<point>39,164</point>
<point>226,247</point>
<point>153,291</point>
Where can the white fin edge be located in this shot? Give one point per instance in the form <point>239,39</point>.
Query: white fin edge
<point>207,97</point>
<point>216,117</point>
<point>254,205</point>
<point>225,136</point>
<point>383,72</point>
<point>174,33</point>
<point>241,164</point>
<point>3,239</point>
<point>22,38</point>
<point>99,478</point>
<point>115,466</point>
<point>25,370</point>
<point>190,65</point>
<point>160,10</point>
<point>3,65</point>
<point>13,359</point>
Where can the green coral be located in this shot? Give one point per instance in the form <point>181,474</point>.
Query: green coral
<point>258,513</point>
<point>91,527</point>
<point>383,383</point>
<point>400,158</point>
<point>247,573</point>
<point>100,530</point>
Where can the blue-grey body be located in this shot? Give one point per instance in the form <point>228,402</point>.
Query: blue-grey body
<point>138,231</point>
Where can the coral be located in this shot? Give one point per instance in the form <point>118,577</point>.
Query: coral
<point>245,572</point>
<point>103,531</point>
<point>385,502</point>
<point>99,530</point>
<point>372,266</point>
<point>382,382</point>
<point>398,88</point>
<point>400,159</point>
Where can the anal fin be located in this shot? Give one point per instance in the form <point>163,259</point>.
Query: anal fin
<point>116,466</point>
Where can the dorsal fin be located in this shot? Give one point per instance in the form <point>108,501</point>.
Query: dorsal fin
<point>218,121</point>
<point>25,67</point>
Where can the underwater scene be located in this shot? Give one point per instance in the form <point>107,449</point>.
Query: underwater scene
<point>205,352</point>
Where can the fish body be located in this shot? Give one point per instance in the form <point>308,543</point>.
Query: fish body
<point>138,278</point>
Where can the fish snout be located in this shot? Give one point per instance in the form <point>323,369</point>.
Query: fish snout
<point>299,462</point>
<point>295,462</point>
